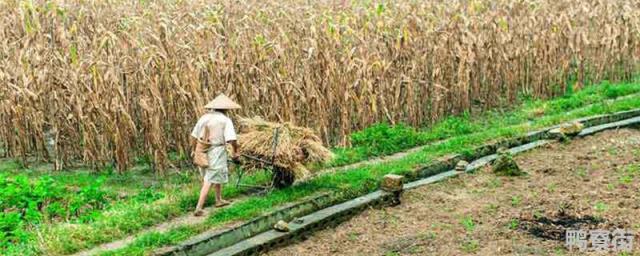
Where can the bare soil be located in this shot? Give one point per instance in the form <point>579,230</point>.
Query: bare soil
<point>589,183</point>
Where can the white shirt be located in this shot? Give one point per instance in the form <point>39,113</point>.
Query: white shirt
<point>221,128</point>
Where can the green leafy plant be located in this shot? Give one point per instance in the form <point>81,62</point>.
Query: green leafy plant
<point>514,224</point>
<point>628,174</point>
<point>515,201</point>
<point>600,207</point>
<point>148,195</point>
<point>468,224</point>
<point>24,202</point>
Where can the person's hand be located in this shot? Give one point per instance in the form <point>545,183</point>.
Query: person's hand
<point>236,157</point>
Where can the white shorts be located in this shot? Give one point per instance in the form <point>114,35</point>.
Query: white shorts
<point>218,171</point>
<point>218,176</point>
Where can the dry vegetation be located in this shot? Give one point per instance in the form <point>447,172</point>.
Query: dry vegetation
<point>289,146</point>
<point>113,79</point>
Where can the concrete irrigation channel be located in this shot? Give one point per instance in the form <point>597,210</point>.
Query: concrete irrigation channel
<point>328,210</point>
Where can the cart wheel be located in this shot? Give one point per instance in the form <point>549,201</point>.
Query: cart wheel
<point>282,178</point>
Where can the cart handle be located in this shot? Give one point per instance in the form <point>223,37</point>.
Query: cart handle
<point>257,159</point>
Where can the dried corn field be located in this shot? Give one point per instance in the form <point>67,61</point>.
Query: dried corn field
<point>113,79</point>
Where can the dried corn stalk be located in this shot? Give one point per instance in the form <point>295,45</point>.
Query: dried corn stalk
<point>126,78</point>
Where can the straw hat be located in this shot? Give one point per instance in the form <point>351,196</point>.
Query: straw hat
<point>222,102</point>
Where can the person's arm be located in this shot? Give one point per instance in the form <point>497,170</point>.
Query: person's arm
<point>231,138</point>
<point>236,149</point>
<point>194,142</point>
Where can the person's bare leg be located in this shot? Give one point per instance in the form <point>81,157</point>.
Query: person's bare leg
<point>218,190</point>
<point>203,197</point>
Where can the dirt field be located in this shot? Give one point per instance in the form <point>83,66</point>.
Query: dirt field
<point>589,183</point>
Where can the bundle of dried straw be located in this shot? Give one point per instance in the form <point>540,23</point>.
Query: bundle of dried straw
<point>295,147</point>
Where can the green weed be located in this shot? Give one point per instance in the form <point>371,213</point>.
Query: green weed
<point>628,174</point>
<point>468,224</point>
<point>148,195</point>
<point>515,201</point>
<point>25,203</point>
<point>581,172</point>
<point>470,245</point>
<point>514,224</point>
<point>600,207</point>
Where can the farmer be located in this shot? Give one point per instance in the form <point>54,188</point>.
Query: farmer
<point>221,131</point>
